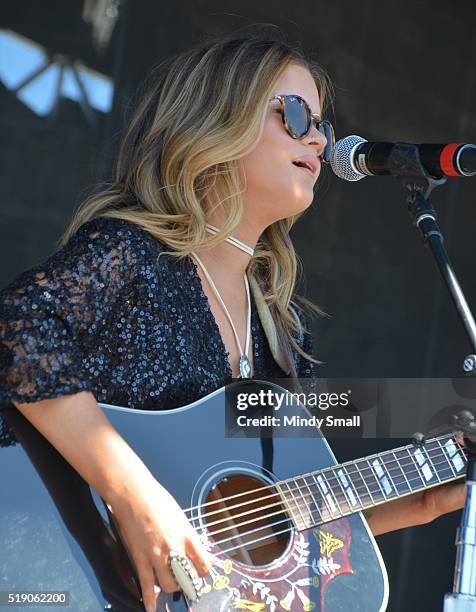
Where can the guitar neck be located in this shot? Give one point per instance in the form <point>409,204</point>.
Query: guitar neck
<point>324,495</point>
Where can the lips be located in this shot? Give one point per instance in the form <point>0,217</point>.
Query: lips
<point>307,163</point>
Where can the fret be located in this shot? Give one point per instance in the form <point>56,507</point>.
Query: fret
<point>352,486</point>
<point>290,501</point>
<point>403,486</point>
<point>415,486</point>
<point>373,491</point>
<point>446,462</point>
<point>454,456</point>
<point>304,497</point>
<point>347,489</point>
<point>310,518</point>
<point>304,519</point>
<point>429,447</point>
<point>385,473</point>
<point>437,460</point>
<point>371,479</point>
<point>328,496</point>
<point>358,475</point>
<point>446,468</point>
<point>325,506</point>
<point>459,446</point>
<point>337,489</point>
<point>376,477</point>
<point>443,452</point>
<point>320,518</point>
<point>425,465</point>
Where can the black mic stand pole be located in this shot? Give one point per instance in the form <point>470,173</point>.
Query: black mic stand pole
<point>406,166</point>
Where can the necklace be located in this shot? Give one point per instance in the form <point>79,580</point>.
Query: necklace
<point>232,240</point>
<point>245,366</point>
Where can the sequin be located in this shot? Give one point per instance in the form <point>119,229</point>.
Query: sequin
<point>62,327</point>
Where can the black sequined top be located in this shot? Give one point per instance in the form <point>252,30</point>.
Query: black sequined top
<point>104,314</point>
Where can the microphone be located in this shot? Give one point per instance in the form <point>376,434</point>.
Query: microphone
<point>353,158</point>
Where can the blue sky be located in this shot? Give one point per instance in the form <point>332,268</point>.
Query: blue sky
<point>21,57</point>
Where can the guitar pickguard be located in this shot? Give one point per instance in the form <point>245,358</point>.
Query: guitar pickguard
<point>296,581</point>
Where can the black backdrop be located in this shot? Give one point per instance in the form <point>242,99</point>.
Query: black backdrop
<point>403,70</point>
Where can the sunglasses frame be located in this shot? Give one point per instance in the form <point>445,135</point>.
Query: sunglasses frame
<point>312,118</point>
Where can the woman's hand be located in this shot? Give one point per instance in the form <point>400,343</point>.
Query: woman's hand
<point>148,518</point>
<point>416,509</point>
<point>151,525</point>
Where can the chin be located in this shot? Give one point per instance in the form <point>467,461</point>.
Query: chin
<point>301,206</point>
<point>288,212</point>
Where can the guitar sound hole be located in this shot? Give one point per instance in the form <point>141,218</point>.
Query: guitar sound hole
<point>247,520</point>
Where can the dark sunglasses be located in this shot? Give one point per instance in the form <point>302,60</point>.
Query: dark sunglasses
<point>298,119</point>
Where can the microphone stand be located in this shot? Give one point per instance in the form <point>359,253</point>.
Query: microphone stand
<point>405,164</point>
<point>463,597</point>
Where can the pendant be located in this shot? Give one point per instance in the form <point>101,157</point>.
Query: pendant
<point>245,367</point>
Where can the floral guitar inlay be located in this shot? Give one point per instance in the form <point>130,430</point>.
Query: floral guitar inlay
<point>295,582</point>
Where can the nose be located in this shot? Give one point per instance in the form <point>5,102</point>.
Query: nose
<point>316,139</point>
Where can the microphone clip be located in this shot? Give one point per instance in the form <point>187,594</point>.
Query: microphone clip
<point>405,165</point>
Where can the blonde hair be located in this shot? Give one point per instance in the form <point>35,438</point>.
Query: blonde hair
<point>199,113</point>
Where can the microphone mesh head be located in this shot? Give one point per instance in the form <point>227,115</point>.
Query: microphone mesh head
<point>341,158</point>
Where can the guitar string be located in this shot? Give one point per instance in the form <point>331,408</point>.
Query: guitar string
<point>322,518</point>
<point>395,463</point>
<point>439,449</point>
<point>288,529</point>
<point>340,491</point>
<point>227,550</point>
<point>331,468</point>
<point>305,495</point>
<point>284,520</point>
<point>307,509</point>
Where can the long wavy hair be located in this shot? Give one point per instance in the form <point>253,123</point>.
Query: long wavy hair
<point>198,114</point>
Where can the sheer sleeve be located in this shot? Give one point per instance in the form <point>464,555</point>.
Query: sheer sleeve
<point>47,311</point>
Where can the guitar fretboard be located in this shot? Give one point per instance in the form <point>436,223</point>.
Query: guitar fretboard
<point>325,495</point>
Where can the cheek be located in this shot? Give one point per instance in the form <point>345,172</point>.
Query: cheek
<point>273,179</point>
<point>269,162</point>
<point>266,170</point>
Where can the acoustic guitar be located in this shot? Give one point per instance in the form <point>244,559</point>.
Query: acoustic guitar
<point>282,518</point>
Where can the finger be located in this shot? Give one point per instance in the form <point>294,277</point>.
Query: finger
<point>447,498</point>
<point>148,587</point>
<point>164,576</point>
<point>453,497</point>
<point>200,558</point>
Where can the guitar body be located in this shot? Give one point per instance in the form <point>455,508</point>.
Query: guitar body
<point>330,568</point>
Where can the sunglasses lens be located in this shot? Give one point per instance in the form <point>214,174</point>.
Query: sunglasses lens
<point>296,117</point>
<point>326,129</point>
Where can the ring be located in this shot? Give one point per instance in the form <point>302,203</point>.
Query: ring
<point>185,575</point>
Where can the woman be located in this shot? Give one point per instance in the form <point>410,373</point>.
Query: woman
<point>146,306</point>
